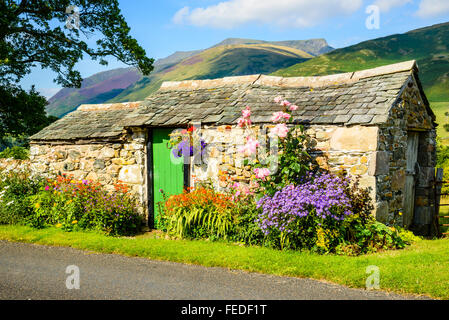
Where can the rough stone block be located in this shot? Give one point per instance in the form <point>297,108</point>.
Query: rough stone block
<point>131,174</point>
<point>382,211</point>
<point>354,139</point>
<point>379,163</point>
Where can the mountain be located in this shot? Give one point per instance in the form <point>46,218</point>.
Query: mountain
<point>230,57</point>
<point>217,62</point>
<point>429,46</point>
<point>96,89</point>
<point>314,47</point>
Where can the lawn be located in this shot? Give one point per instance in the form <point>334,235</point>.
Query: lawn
<point>422,268</point>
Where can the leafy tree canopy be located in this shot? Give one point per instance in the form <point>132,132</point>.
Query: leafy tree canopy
<point>51,32</point>
<point>22,113</point>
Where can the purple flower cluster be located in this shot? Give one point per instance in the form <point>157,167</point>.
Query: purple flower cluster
<point>322,196</point>
<point>184,148</point>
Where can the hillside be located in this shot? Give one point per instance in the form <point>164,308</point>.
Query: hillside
<point>96,89</point>
<point>230,57</point>
<point>218,62</point>
<point>429,46</point>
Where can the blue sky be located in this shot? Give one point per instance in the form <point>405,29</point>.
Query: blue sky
<point>163,27</point>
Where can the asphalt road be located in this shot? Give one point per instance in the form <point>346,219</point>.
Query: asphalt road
<point>39,272</point>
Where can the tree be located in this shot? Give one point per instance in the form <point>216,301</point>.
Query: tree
<point>53,34</point>
<point>40,32</point>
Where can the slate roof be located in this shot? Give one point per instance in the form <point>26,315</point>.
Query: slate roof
<point>363,97</point>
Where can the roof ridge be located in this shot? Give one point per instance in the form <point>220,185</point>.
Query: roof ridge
<point>109,106</point>
<point>311,81</point>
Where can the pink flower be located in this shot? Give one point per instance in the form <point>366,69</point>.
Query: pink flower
<point>250,147</point>
<point>277,116</point>
<point>278,99</point>
<point>47,188</point>
<point>246,113</point>
<point>241,122</point>
<point>285,103</point>
<point>262,173</point>
<point>280,130</point>
<point>293,107</point>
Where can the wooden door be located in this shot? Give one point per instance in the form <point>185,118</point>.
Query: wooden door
<point>167,173</point>
<point>409,188</point>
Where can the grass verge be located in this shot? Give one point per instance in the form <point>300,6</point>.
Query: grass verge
<point>422,268</point>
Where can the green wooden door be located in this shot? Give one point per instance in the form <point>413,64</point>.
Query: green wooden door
<point>168,172</point>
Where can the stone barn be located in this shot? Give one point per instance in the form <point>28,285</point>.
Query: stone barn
<point>375,124</point>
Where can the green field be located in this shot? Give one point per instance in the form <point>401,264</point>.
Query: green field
<point>440,108</point>
<point>422,268</point>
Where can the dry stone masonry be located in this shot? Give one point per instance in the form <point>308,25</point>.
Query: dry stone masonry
<point>357,122</point>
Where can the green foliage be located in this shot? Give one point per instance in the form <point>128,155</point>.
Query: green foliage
<point>22,113</point>
<point>293,162</point>
<point>35,32</point>
<point>67,204</point>
<point>246,229</point>
<point>15,189</point>
<point>84,205</point>
<point>202,213</point>
<point>443,162</point>
<point>16,152</point>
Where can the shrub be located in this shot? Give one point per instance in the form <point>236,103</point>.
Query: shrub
<point>84,205</point>
<point>15,152</point>
<point>15,189</point>
<point>294,214</point>
<point>246,229</point>
<point>326,214</point>
<point>201,213</point>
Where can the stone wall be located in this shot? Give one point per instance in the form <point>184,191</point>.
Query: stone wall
<point>336,148</point>
<point>407,115</point>
<point>376,154</point>
<point>107,162</point>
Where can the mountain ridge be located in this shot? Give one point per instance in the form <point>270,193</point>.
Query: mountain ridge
<point>107,86</point>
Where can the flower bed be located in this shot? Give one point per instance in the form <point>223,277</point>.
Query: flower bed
<point>295,206</point>
<point>67,204</point>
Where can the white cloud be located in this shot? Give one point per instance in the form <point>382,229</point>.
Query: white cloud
<point>387,5</point>
<point>288,13</point>
<point>433,8</point>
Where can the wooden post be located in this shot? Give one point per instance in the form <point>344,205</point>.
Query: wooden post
<point>437,190</point>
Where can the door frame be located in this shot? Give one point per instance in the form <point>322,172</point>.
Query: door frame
<point>150,174</point>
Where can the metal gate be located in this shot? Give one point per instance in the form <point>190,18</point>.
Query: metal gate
<point>442,209</point>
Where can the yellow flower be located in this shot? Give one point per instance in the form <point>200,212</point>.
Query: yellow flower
<point>58,225</point>
<point>400,213</point>
<point>393,229</point>
<point>37,205</point>
<point>74,222</point>
<point>69,202</point>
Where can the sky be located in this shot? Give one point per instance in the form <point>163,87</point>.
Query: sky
<point>163,27</point>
